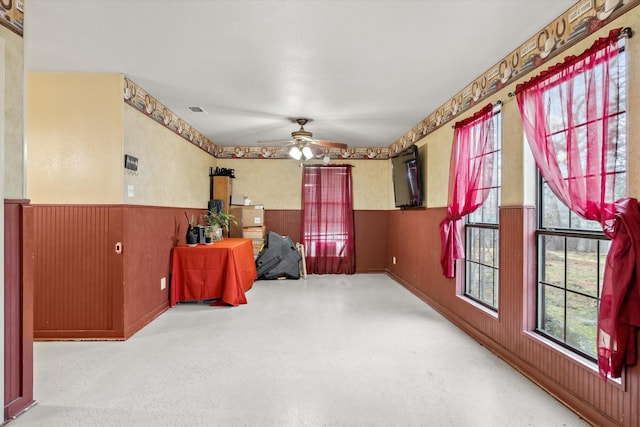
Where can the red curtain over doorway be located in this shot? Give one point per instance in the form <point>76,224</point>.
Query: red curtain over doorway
<point>327,219</point>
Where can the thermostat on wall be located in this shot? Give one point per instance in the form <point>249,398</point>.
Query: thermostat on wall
<point>130,162</point>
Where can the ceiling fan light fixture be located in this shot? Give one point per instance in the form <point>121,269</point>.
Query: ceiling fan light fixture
<point>295,153</point>
<point>302,142</point>
<point>307,152</point>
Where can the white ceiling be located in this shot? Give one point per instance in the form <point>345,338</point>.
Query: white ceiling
<point>366,72</point>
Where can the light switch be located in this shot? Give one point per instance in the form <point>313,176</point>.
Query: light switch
<point>130,190</point>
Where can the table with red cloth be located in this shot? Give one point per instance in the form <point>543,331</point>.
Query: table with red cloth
<point>223,270</point>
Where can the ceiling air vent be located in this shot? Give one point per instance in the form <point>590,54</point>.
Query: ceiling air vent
<point>196,109</point>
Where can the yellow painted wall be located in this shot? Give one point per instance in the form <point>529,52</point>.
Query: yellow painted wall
<point>517,161</point>
<point>171,170</point>
<point>74,138</point>
<point>372,185</point>
<point>518,169</point>
<point>276,184</point>
<point>12,127</point>
<point>438,146</point>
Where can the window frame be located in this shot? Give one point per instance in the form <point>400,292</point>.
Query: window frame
<point>540,233</point>
<point>471,225</point>
<point>570,232</point>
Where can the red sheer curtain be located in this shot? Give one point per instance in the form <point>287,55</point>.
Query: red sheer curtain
<point>573,121</point>
<point>327,219</point>
<point>470,177</point>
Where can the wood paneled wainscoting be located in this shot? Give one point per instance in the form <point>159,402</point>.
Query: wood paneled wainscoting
<point>414,239</point>
<point>18,307</point>
<point>99,269</point>
<point>370,234</point>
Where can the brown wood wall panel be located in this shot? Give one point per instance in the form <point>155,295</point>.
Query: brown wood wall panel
<point>83,289</point>
<point>370,229</point>
<point>512,266</point>
<point>285,222</point>
<point>18,307</point>
<point>150,234</point>
<point>77,272</point>
<point>12,303</point>
<point>370,235</point>
<point>413,237</point>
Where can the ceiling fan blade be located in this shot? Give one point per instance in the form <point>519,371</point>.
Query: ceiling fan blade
<point>317,151</point>
<point>305,139</point>
<point>302,137</point>
<point>275,141</point>
<point>331,144</point>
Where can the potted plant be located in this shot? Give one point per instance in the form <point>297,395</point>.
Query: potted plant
<point>219,221</point>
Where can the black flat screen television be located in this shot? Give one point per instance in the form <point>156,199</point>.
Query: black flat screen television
<point>407,178</point>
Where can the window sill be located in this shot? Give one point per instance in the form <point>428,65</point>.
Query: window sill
<point>585,363</point>
<point>477,305</point>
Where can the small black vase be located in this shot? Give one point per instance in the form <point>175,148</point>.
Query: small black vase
<point>192,236</point>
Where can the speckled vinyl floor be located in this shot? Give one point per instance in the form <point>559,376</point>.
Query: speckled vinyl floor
<point>327,351</point>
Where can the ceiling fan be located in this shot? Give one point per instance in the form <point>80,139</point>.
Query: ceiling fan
<point>302,142</point>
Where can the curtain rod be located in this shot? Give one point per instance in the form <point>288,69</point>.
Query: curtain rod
<point>496,106</point>
<point>626,32</point>
<point>315,165</point>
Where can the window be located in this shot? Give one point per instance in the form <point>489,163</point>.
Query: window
<point>572,250</point>
<point>481,236</point>
<point>471,177</point>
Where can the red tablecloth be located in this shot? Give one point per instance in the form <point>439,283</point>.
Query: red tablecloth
<point>223,270</point>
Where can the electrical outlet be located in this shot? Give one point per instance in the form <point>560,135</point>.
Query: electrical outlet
<point>163,283</point>
<point>394,260</point>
